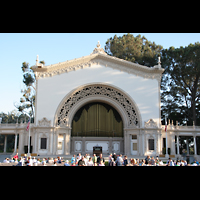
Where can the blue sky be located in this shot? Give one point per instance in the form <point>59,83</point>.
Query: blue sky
<point>16,48</point>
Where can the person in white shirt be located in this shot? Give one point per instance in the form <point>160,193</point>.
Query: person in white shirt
<point>86,160</point>
<point>194,164</point>
<point>119,160</point>
<point>34,160</point>
<point>160,162</point>
<point>54,163</point>
<point>30,161</point>
<point>6,160</point>
<point>21,162</point>
<point>90,162</point>
<point>51,160</point>
<point>38,161</point>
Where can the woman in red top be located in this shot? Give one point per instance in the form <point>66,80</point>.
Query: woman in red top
<point>16,156</point>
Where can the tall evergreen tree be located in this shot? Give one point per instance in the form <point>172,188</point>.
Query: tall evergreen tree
<point>135,49</point>
<point>27,102</point>
<point>181,83</point>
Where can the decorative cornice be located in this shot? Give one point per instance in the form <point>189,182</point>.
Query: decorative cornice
<point>98,57</point>
<point>150,124</point>
<point>44,122</point>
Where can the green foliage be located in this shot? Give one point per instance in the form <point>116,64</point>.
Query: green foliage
<point>135,49</point>
<point>27,101</point>
<point>28,79</point>
<point>181,83</point>
<point>13,117</point>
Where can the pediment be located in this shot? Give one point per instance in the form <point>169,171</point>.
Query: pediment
<point>150,124</point>
<point>98,57</point>
<point>44,122</point>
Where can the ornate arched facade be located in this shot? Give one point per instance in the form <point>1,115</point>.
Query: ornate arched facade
<point>129,89</point>
<point>97,92</point>
<point>117,98</point>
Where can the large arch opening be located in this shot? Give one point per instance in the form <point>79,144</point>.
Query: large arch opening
<point>97,119</point>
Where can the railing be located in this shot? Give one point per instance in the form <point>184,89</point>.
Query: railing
<point>172,127</point>
<point>10,125</point>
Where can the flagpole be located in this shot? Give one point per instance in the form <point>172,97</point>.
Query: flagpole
<point>29,138</point>
<point>166,155</point>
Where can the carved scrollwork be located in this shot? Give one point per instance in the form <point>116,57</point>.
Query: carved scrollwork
<point>44,122</point>
<point>107,91</point>
<point>150,124</point>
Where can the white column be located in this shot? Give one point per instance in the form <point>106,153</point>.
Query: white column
<point>172,144</point>
<point>143,143</point>
<point>177,138</point>
<point>35,143</point>
<point>15,148</point>
<point>67,144</point>
<point>5,143</point>
<point>21,143</point>
<point>51,141</point>
<point>55,142</point>
<point>195,147</point>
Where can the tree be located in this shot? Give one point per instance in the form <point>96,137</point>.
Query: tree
<point>135,49</point>
<point>180,83</point>
<point>13,117</point>
<point>27,101</point>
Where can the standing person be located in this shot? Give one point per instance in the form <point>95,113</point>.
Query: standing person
<point>81,162</point>
<point>112,162</point>
<point>90,162</point>
<point>25,157</point>
<point>125,161</point>
<point>152,161</point>
<point>110,158</point>
<point>119,160</point>
<point>16,156</point>
<point>95,160</point>
<point>115,156</point>
<point>157,161</point>
<point>171,163</point>
<point>30,163</point>
<point>73,160</point>
<point>100,158</point>
<point>78,158</point>
<point>85,160</point>
<point>147,160</point>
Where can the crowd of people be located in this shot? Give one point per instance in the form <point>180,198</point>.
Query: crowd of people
<point>32,161</point>
<point>87,160</point>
